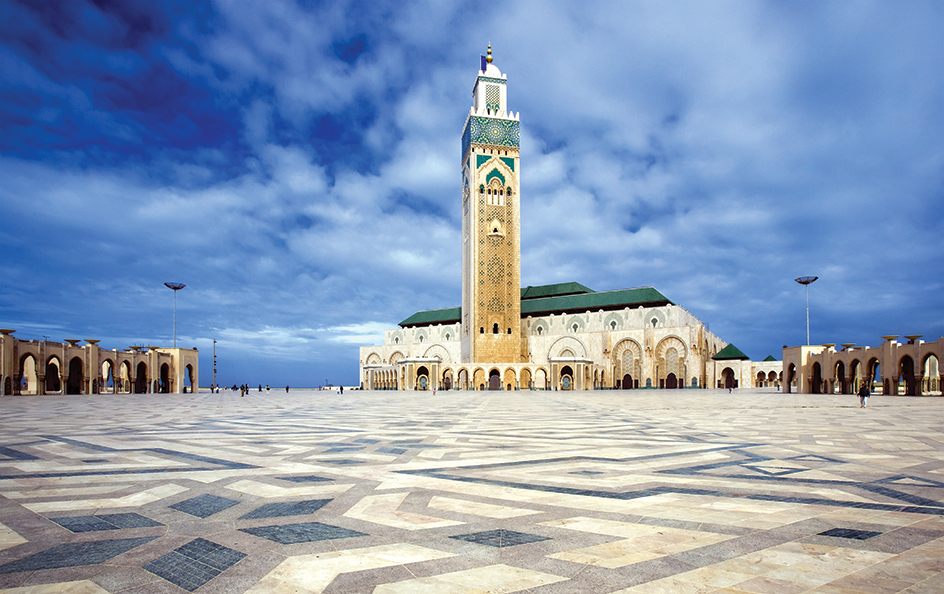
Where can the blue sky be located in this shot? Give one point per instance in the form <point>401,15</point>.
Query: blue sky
<point>296,164</point>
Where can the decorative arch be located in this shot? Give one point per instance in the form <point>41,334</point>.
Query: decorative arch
<point>613,321</point>
<point>478,379</point>
<point>575,324</point>
<point>440,352</point>
<point>567,342</point>
<point>373,359</point>
<point>509,381</point>
<point>653,318</point>
<point>395,357</point>
<point>627,361</point>
<point>525,378</point>
<point>539,328</point>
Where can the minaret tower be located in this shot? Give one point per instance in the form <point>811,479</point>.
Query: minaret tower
<point>491,252</point>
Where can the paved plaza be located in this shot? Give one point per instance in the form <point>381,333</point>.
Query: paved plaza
<point>462,492</point>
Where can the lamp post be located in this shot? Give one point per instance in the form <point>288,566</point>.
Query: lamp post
<point>213,389</point>
<point>806,281</point>
<point>175,287</point>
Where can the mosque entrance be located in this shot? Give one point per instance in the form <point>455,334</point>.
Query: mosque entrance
<point>567,378</point>
<point>422,379</point>
<point>728,375</point>
<point>494,380</point>
<point>671,382</point>
<point>627,383</point>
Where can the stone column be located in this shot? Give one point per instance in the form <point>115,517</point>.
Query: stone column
<point>919,385</point>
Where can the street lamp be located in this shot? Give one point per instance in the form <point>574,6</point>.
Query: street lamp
<point>806,281</point>
<point>175,287</point>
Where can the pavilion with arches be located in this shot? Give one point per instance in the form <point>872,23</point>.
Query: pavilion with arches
<point>911,367</point>
<point>48,367</point>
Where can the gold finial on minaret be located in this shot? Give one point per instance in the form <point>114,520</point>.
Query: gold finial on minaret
<point>488,58</point>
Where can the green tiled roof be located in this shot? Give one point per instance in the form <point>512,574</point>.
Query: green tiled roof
<point>560,298</point>
<point>642,297</point>
<point>769,358</point>
<point>730,352</point>
<point>429,317</point>
<point>557,290</point>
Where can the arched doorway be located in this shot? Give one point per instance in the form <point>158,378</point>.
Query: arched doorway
<point>164,386</point>
<point>191,381</point>
<point>931,371</point>
<point>817,380</point>
<point>124,377</point>
<point>671,382</point>
<point>526,379</point>
<point>447,380</point>
<point>759,382</point>
<point>906,367</point>
<point>874,374</point>
<point>463,379</point>
<point>422,377</point>
<point>855,372</point>
<point>540,379</point>
<point>28,380</point>
<point>727,377</point>
<point>567,378</point>
<point>840,377</point>
<point>791,379</point>
<point>141,380</point>
<point>53,382</point>
<point>76,376</point>
<point>627,383</point>
<point>108,377</point>
<point>494,380</point>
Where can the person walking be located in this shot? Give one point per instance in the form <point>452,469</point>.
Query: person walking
<point>864,393</point>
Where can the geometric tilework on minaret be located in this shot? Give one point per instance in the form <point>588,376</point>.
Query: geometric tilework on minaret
<point>491,250</point>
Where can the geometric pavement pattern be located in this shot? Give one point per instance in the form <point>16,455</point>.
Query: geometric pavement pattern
<point>397,492</point>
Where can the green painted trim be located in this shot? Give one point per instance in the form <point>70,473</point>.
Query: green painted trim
<point>495,173</point>
<point>479,159</point>
<point>510,162</point>
<point>500,81</point>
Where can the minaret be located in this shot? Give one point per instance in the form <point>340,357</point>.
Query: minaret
<point>491,253</point>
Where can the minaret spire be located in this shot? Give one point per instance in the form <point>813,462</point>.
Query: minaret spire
<point>488,57</point>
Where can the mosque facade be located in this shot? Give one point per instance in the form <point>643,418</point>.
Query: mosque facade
<point>562,336</point>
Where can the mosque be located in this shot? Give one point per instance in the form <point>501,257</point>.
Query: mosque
<point>553,337</point>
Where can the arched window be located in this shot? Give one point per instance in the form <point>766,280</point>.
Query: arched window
<point>613,325</point>
<point>482,330</point>
<point>540,330</point>
<point>495,328</point>
<point>396,340</point>
<point>575,327</point>
<point>509,331</point>
<point>447,336</point>
<point>655,322</point>
<point>421,338</point>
